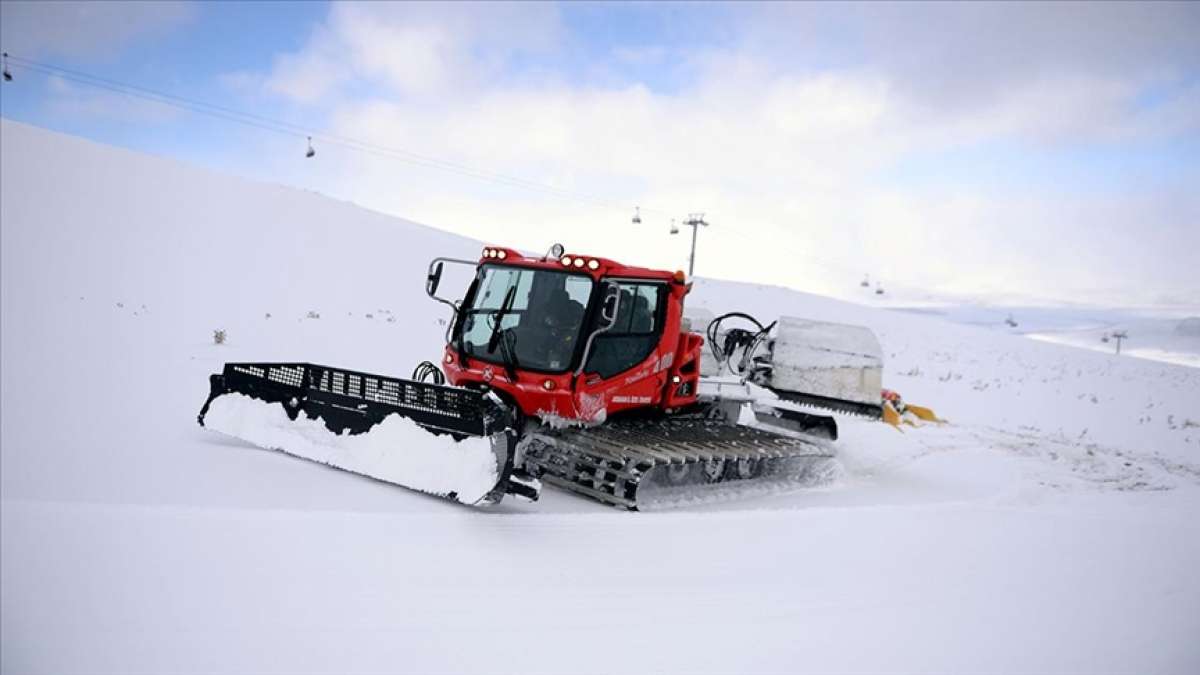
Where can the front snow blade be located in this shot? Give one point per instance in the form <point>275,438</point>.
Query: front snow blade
<point>447,441</point>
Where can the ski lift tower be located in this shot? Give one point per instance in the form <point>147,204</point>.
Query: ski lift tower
<point>695,220</point>
<point>1118,336</point>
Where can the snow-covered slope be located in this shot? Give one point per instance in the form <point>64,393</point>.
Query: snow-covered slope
<point>1163,334</point>
<point>1050,527</point>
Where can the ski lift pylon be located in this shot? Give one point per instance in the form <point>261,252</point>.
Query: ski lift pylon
<point>7,74</point>
<point>310,152</point>
<point>674,227</point>
<point>637,215</point>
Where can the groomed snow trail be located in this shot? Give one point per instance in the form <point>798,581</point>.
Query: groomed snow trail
<point>1051,527</point>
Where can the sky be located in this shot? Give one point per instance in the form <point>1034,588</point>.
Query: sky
<point>1011,152</point>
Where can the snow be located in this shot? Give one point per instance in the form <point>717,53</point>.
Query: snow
<point>1050,527</point>
<point>395,450</point>
<point>1155,333</point>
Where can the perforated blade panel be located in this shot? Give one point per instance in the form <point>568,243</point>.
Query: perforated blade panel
<point>353,402</point>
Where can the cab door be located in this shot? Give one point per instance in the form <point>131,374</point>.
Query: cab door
<point>623,368</point>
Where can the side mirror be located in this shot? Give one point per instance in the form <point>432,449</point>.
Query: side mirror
<point>434,278</point>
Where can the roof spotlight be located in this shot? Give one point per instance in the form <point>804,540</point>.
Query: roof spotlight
<point>593,264</point>
<point>501,255</point>
<point>579,262</point>
<point>566,261</point>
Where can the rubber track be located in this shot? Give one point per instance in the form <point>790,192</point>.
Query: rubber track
<point>611,462</point>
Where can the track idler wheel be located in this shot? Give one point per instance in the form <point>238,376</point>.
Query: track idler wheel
<point>677,474</point>
<point>745,468</point>
<point>713,470</point>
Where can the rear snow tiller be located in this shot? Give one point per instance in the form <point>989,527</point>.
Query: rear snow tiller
<point>831,366</point>
<point>577,371</point>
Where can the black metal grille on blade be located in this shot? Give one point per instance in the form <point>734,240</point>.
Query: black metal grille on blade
<point>435,406</point>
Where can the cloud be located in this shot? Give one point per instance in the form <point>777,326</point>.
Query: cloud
<point>413,49</point>
<point>966,54</point>
<point>85,30</point>
<point>789,132</point>
<point>1044,72</point>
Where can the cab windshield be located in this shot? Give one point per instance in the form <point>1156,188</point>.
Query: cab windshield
<point>531,318</point>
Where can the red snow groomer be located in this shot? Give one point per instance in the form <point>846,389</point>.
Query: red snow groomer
<point>581,372</point>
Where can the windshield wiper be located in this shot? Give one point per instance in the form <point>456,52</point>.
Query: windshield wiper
<point>498,318</point>
<point>508,352</point>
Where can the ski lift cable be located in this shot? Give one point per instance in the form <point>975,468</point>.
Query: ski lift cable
<point>299,132</point>
<point>59,70</point>
<point>287,128</point>
<point>71,78</point>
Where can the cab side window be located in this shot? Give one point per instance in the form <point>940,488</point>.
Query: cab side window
<point>633,335</point>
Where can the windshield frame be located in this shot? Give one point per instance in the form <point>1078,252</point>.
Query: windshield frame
<point>497,358</point>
